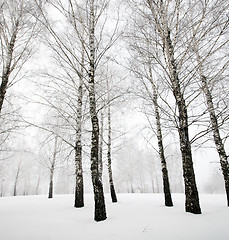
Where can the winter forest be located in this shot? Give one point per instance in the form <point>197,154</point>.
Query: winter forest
<point>107,102</point>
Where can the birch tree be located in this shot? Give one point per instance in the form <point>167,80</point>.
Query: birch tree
<point>52,168</point>
<point>216,134</point>
<point>111,182</point>
<point>101,135</point>
<point>67,82</point>
<point>16,178</point>
<point>100,210</point>
<point>109,102</point>
<point>18,29</point>
<point>79,191</point>
<point>142,69</point>
<point>209,44</point>
<point>166,184</point>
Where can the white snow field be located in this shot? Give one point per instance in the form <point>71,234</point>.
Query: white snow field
<point>135,217</point>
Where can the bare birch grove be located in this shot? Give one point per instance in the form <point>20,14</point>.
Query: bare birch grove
<point>173,58</point>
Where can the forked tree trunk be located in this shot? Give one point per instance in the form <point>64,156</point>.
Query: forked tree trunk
<point>216,134</point>
<point>79,189</point>
<point>111,182</point>
<point>192,197</point>
<point>100,208</point>
<point>166,185</point>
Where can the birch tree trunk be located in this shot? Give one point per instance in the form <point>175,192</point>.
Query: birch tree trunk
<point>79,189</point>
<point>111,182</point>
<point>101,145</point>
<point>7,69</point>
<point>165,177</point>
<point>215,126</point>
<point>52,169</point>
<point>16,179</point>
<point>18,28</point>
<point>192,197</point>
<point>216,134</point>
<point>100,208</point>
<point>51,182</point>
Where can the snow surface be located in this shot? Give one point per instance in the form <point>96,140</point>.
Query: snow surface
<point>135,217</point>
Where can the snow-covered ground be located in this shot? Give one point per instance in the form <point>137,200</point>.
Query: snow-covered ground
<point>135,217</point>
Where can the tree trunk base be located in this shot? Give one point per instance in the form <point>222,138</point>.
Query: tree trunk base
<point>168,203</point>
<point>79,196</point>
<point>193,207</point>
<point>100,208</point>
<point>78,205</point>
<point>113,194</point>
